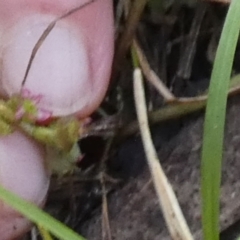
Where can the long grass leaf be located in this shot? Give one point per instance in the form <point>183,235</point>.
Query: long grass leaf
<point>38,216</point>
<point>215,121</point>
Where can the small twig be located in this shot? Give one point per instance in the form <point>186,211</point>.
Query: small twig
<point>186,61</point>
<point>34,233</point>
<point>129,31</point>
<point>46,33</point>
<point>174,218</point>
<point>121,10</point>
<point>151,76</point>
<point>106,229</point>
<point>163,114</point>
<point>220,1</point>
<point>180,108</point>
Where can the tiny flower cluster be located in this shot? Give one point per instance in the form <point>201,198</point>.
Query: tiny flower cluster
<point>30,109</point>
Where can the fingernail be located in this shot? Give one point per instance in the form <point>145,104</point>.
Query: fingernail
<point>60,70</point>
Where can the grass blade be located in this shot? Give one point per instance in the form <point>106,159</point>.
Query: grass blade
<point>38,216</point>
<point>44,233</point>
<point>215,121</point>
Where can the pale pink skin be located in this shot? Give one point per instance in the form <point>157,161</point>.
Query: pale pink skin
<point>22,171</point>
<point>71,71</point>
<point>88,38</point>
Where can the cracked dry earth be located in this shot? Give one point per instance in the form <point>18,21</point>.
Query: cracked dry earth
<point>133,210</point>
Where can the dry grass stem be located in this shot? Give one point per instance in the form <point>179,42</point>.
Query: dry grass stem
<point>186,60</point>
<point>122,9</point>
<point>220,1</point>
<point>106,229</point>
<point>174,218</point>
<point>126,38</point>
<point>181,107</point>
<point>151,76</point>
<point>203,98</point>
<point>46,32</point>
<point>33,233</point>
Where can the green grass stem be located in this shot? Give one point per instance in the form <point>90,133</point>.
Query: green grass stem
<point>211,163</point>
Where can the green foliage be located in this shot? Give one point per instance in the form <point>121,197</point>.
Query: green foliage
<point>39,217</point>
<point>60,138</point>
<point>62,163</point>
<point>44,233</point>
<point>215,121</point>
<point>61,134</point>
<point>5,128</point>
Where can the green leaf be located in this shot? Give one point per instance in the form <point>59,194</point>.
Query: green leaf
<point>215,121</point>
<point>6,112</point>
<point>60,162</point>
<point>5,128</point>
<point>62,134</point>
<point>44,233</point>
<point>38,216</point>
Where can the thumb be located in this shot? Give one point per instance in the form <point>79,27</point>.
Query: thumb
<point>71,69</point>
<point>23,172</point>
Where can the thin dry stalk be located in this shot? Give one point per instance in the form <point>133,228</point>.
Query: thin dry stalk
<point>34,233</point>
<point>186,60</point>
<point>180,108</point>
<point>129,31</point>
<point>106,229</point>
<point>220,1</point>
<point>174,218</point>
<point>121,10</point>
<point>46,32</point>
<point>151,76</point>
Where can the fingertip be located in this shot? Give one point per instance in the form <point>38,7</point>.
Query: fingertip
<point>23,172</point>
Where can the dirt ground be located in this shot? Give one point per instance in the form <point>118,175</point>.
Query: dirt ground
<point>133,209</point>
<point>179,43</point>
